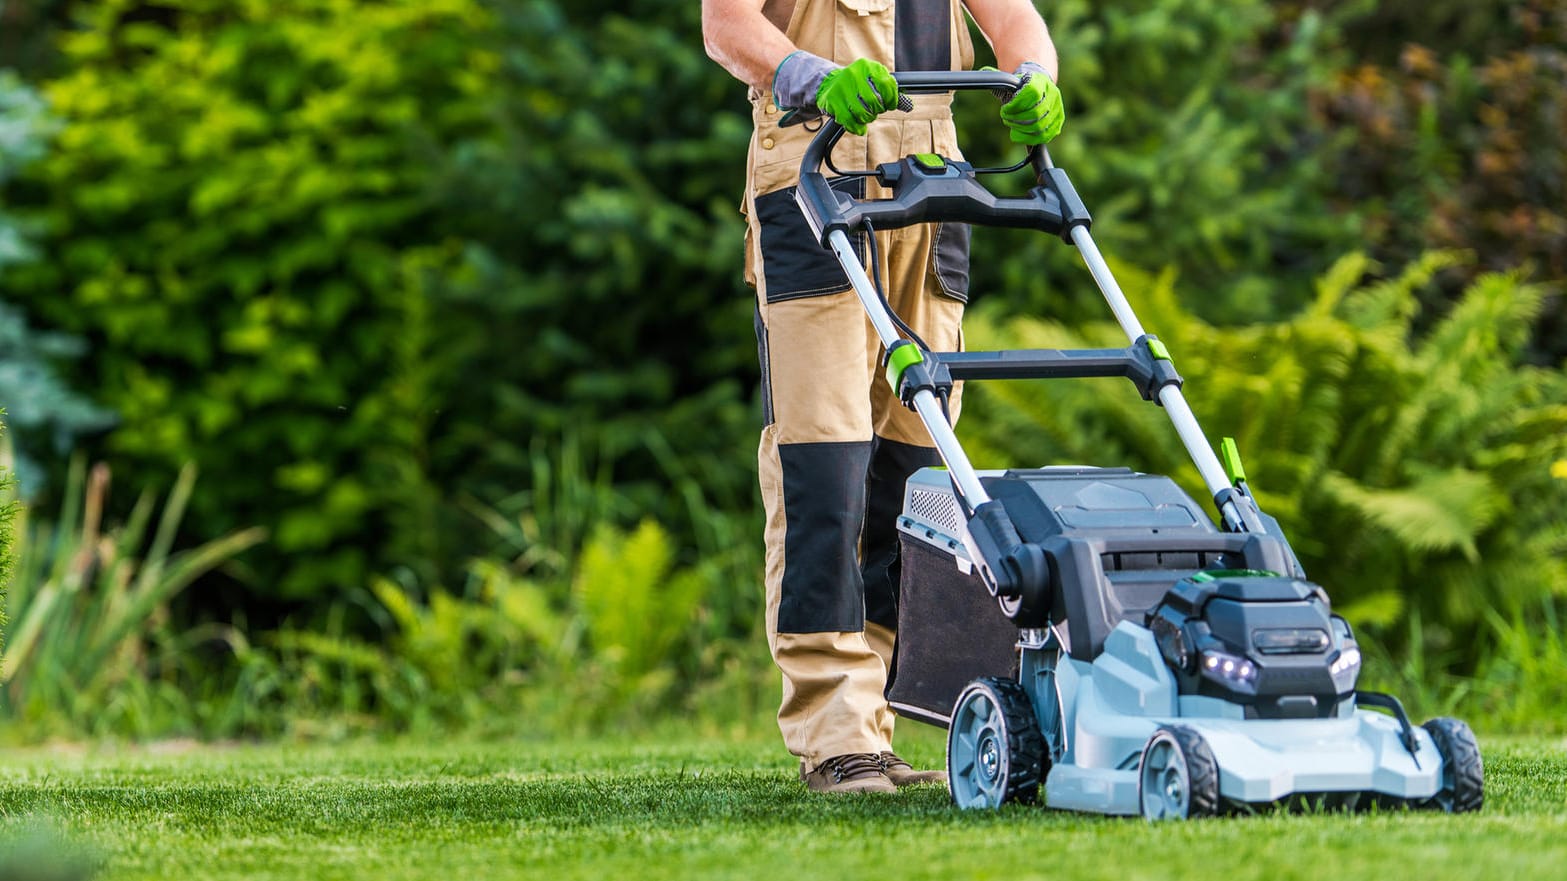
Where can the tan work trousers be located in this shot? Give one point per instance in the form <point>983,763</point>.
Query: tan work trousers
<point>839,445</point>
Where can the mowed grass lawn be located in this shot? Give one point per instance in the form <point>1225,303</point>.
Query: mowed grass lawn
<point>680,807</point>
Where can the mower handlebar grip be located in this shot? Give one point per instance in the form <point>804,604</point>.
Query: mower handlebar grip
<point>916,82</point>
<point>919,197</point>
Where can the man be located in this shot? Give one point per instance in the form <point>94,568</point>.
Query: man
<point>837,446</point>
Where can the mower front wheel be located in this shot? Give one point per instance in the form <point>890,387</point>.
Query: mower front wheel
<point>995,753</point>
<point>1463,774</point>
<point>1178,778</point>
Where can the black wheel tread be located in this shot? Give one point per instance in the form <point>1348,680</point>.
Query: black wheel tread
<point>1203,771</point>
<point>1026,761</point>
<point>1463,777</point>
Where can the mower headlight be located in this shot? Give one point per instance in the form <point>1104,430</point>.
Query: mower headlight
<point>1231,671</point>
<point>1347,661</point>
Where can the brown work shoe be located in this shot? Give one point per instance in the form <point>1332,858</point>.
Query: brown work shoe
<point>902,774</point>
<point>855,772</point>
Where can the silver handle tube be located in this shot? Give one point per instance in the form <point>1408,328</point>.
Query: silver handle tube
<point>850,260</point>
<point>963,475</point>
<point>1170,397</point>
<point>925,403</point>
<point>1197,446</point>
<point>1107,283</point>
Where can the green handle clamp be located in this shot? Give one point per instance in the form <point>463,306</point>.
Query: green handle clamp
<point>901,357</point>
<point>1230,453</point>
<point>1158,350</point>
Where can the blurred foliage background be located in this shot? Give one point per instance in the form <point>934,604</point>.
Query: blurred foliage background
<point>385,365</point>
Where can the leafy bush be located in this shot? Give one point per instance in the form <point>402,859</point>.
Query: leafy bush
<point>236,215</point>
<point>600,293</point>
<point>468,660</point>
<point>616,639</point>
<point>1191,138</point>
<point>43,411</point>
<point>41,407</point>
<point>635,608</point>
<point>24,124</point>
<point>1411,468</point>
<point>27,33</point>
<point>1457,142</point>
<point>1477,28</point>
<point>353,260</point>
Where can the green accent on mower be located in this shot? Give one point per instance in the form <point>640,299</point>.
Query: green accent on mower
<point>899,359</point>
<point>1230,453</point>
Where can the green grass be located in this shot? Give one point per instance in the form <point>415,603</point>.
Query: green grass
<point>680,809</point>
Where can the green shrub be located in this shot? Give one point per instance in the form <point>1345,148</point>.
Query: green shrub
<point>468,660</point>
<point>43,412</point>
<point>24,124</point>
<point>1412,468</point>
<point>353,260</point>
<point>1190,136</point>
<point>236,213</point>
<point>601,292</point>
<point>615,639</point>
<point>42,409</point>
<point>1457,140</point>
<point>27,41</point>
<point>635,608</point>
<point>1477,28</point>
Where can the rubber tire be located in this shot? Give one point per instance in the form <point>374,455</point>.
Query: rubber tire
<point>1463,773</point>
<point>995,714</point>
<point>1197,770</point>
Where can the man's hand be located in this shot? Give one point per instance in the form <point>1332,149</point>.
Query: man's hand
<point>857,94</point>
<point>1035,113</point>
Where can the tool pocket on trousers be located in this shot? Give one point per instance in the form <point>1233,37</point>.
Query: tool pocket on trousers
<point>950,259</point>
<point>795,265</point>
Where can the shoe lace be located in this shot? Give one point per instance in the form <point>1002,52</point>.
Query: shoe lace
<point>891,759</point>
<point>848,767</point>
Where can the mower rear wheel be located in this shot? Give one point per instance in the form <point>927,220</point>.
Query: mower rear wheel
<point>995,753</point>
<point>1463,774</point>
<point>1178,778</point>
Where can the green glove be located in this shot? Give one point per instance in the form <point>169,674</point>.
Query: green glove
<point>856,94</point>
<point>1035,113</point>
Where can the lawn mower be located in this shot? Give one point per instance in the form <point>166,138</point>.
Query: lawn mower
<point>1088,633</point>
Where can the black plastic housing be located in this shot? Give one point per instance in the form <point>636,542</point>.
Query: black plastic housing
<point>1283,627</point>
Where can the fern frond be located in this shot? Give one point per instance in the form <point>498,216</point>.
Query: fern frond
<point>1487,329</point>
<point>1389,306</point>
<point>1337,283</point>
<point>1445,511</point>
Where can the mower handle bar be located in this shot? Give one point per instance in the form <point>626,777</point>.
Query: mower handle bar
<point>925,82</point>
<point>946,191</point>
<point>1053,206</point>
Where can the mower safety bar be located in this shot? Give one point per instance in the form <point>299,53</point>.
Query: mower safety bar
<point>1137,362</point>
